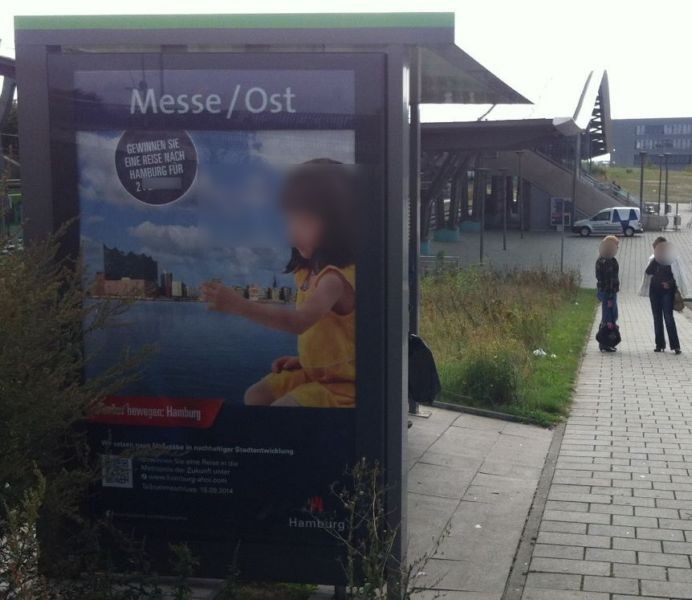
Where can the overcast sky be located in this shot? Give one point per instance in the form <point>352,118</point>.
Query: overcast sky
<point>645,45</point>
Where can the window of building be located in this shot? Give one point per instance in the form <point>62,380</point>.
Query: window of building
<point>677,129</point>
<point>644,144</point>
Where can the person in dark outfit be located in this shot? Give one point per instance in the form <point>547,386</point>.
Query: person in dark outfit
<point>608,281</point>
<point>661,275</point>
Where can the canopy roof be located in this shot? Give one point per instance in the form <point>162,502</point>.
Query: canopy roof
<point>448,74</point>
<point>569,106</point>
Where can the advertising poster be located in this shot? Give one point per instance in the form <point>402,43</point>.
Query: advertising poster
<point>224,205</point>
<point>558,206</point>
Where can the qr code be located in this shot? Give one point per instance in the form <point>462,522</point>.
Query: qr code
<point>116,471</point>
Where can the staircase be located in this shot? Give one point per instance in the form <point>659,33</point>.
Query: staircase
<point>556,180</point>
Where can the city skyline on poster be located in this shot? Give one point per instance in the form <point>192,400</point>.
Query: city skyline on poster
<point>225,227</point>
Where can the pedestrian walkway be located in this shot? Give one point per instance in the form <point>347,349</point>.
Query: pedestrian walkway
<point>471,481</point>
<point>618,521</point>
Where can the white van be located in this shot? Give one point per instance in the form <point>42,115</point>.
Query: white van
<point>620,219</point>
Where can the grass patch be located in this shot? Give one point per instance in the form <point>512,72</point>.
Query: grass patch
<point>679,182</point>
<point>274,591</point>
<point>548,387</point>
<point>484,325</point>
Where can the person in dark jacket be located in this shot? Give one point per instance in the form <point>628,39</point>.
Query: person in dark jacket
<point>663,279</point>
<point>608,283</point>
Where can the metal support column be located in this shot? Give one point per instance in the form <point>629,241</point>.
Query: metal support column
<point>520,194</point>
<point>575,178</point>
<point>414,192</point>
<point>665,193</point>
<point>481,187</point>
<point>660,180</point>
<point>464,188</point>
<point>503,191</point>
<point>396,303</point>
<point>642,160</point>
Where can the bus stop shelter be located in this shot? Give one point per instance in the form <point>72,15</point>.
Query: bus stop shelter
<point>409,59</point>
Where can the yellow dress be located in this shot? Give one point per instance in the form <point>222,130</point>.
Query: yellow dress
<point>327,352</point>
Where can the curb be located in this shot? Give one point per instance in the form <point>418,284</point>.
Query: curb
<point>484,412</point>
<point>516,581</point>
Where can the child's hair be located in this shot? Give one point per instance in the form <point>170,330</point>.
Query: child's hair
<point>659,240</point>
<point>610,241</point>
<point>324,188</point>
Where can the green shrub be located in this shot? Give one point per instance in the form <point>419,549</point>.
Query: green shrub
<point>491,370</point>
<point>483,324</point>
<point>43,400</point>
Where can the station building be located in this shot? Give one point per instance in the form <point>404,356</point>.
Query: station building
<point>502,165</point>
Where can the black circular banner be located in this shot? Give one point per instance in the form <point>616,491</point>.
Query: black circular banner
<point>156,167</point>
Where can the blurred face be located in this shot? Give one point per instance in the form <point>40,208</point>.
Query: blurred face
<point>664,253</point>
<point>305,231</point>
<point>609,249</point>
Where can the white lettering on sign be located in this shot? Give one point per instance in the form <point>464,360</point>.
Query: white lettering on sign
<point>255,100</point>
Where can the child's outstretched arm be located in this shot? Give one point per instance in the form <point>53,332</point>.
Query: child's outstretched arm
<point>330,289</point>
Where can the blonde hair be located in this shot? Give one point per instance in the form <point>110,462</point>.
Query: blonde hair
<point>609,241</point>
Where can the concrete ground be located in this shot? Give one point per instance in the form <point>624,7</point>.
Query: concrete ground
<point>479,475</point>
<point>476,477</point>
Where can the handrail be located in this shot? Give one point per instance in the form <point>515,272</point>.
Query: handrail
<point>608,188</point>
<point>585,176</point>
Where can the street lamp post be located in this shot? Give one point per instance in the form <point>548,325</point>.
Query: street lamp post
<point>642,159</point>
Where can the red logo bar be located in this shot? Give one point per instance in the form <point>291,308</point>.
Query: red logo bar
<point>157,411</point>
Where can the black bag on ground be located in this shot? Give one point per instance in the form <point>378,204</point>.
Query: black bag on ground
<point>608,337</point>
<point>423,379</point>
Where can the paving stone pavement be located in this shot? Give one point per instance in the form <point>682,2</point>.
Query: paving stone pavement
<point>542,249</point>
<point>618,521</point>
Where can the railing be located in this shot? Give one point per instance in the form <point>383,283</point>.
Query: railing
<point>612,190</point>
<point>608,188</point>
<point>438,264</point>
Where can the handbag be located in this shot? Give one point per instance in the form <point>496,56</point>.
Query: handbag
<point>608,336</point>
<point>678,302</point>
<point>423,379</point>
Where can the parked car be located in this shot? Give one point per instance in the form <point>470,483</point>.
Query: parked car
<point>620,219</point>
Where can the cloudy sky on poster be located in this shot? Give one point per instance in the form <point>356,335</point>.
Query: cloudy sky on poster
<point>227,225</point>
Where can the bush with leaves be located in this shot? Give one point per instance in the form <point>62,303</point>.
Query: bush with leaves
<point>44,398</point>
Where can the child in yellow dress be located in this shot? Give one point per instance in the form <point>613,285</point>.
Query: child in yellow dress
<point>318,205</point>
